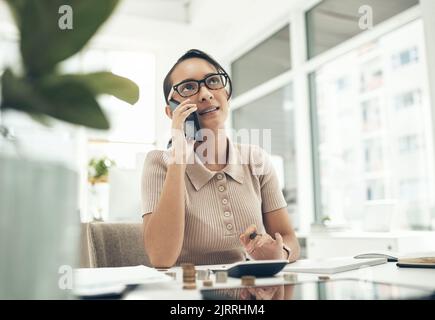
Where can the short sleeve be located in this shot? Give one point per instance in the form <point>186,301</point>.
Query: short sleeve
<point>153,177</point>
<point>272,197</point>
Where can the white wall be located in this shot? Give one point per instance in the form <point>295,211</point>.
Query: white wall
<point>224,29</point>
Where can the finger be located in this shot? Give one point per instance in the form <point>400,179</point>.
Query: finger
<point>183,103</point>
<point>180,105</point>
<point>187,112</point>
<point>253,244</point>
<point>279,240</point>
<point>265,240</point>
<point>243,240</point>
<point>185,108</point>
<point>252,228</point>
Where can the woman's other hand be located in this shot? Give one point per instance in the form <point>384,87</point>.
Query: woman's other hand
<point>263,246</point>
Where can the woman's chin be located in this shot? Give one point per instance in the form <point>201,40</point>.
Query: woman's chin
<point>212,123</point>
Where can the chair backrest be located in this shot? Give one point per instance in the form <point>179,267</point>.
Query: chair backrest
<point>116,244</point>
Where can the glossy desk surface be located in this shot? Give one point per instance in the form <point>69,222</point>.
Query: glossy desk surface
<point>386,273</point>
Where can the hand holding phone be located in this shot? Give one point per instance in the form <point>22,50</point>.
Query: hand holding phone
<point>187,114</point>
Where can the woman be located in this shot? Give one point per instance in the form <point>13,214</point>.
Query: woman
<point>210,207</point>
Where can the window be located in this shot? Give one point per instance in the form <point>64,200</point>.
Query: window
<point>274,111</point>
<point>264,62</point>
<point>405,57</point>
<point>368,148</point>
<point>373,155</point>
<point>375,190</point>
<point>371,115</point>
<point>332,22</point>
<point>407,99</point>
<point>408,144</point>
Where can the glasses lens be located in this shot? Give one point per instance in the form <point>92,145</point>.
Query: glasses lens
<point>215,81</point>
<point>188,89</point>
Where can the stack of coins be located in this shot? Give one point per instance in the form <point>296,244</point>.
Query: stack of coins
<point>290,276</point>
<point>189,280</point>
<point>248,281</point>
<point>221,276</point>
<point>203,274</point>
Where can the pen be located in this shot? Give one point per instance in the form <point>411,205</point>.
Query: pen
<point>253,235</point>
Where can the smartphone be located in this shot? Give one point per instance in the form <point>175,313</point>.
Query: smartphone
<point>191,126</point>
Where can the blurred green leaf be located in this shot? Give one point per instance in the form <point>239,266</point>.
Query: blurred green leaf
<point>67,100</point>
<point>105,83</point>
<point>42,119</point>
<point>43,44</point>
<point>19,94</point>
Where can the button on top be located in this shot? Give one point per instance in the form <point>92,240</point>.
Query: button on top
<point>219,176</point>
<point>221,188</point>
<point>224,201</point>
<point>229,226</point>
<point>227,213</point>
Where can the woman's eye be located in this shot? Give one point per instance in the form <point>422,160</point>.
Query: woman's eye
<point>188,87</point>
<point>214,80</point>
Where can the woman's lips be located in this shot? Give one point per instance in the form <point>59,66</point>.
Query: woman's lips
<point>208,111</point>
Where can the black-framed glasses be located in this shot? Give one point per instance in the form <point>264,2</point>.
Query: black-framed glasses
<point>189,88</point>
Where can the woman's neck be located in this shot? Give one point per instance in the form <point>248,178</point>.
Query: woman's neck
<point>213,152</point>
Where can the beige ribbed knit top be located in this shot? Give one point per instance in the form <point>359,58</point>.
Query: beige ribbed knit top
<point>220,205</point>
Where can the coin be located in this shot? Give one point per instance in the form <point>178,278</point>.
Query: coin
<point>248,281</point>
<point>189,286</point>
<point>207,283</point>
<point>221,276</point>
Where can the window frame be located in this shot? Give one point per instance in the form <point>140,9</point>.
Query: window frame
<point>308,187</point>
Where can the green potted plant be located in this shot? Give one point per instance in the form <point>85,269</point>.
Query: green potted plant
<point>98,178</point>
<point>39,229</point>
<point>98,169</point>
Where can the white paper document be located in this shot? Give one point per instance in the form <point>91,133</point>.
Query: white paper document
<point>94,281</point>
<point>332,265</point>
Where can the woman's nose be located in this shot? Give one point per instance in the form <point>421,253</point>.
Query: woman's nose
<point>204,94</point>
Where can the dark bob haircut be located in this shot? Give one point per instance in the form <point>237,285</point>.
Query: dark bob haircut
<point>194,53</point>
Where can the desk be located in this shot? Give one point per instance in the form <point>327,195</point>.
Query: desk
<point>387,272</point>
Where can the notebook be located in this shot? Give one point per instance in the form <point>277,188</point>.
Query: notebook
<point>390,256</point>
<point>394,256</point>
<point>103,281</point>
<point>332,265</point>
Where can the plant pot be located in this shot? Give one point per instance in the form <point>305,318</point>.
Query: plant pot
<point>39,220</point>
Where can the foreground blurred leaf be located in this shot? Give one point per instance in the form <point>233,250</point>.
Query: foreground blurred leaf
<point>43,44</point>
<point>42,119</point>
<point>105,83</point>
<point>67,100</point>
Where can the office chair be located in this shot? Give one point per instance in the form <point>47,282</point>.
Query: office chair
<point>116,245</point>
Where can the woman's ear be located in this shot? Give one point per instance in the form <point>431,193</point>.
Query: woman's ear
<point>168,112</point>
